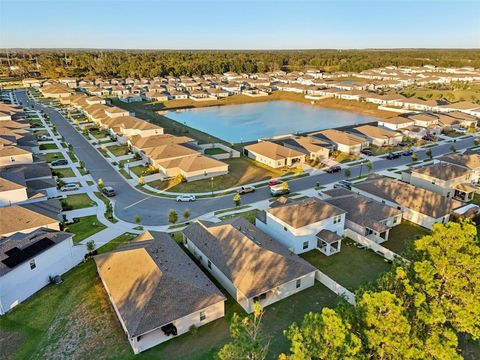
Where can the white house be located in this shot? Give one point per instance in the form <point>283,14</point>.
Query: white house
<point>344,141</point>
<point>249,264</point>
<point>378,136</point>
<point>274,155</point>
<point>420,206</point>
<point>157,291</point>
<point>305,225</point>
<point>28,261</point>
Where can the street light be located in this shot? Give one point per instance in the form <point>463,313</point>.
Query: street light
<point>211,181</point>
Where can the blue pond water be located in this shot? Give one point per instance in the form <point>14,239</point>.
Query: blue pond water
<point>249,122</point>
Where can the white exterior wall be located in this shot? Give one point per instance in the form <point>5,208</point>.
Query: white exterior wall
<point>265,160</point>
<point>442,187</point>
<point>22,282</point>
<point>13,196</point>
<point>292,238</point>
<point>155,337</point>
<point>407,214</point>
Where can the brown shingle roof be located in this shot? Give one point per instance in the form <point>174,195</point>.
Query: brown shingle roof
<point>272,150</point>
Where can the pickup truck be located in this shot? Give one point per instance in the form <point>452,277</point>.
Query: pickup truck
<point>278,190</point>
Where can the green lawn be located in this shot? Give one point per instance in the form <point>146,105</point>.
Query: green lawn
<point>48,146</point>
<point>138,170</point>
<point>85,227</point>
<point>100,134</point>
<point>72,156</point>
<point>125,174</point>
<point>249,215</point>
<point>53,156</point>
<point>77,201</point>
<point>106,201</point>
<point>214,151</point>
<point>401,237</point>
<point>344,157</point>
<point>118,150</point>
<point>75,319</point>
<point>240,171</point>
<point>351,267</point>
<point>65,172</point>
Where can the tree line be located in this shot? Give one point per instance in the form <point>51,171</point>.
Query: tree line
<point>151,63</point>
<point>418,310</point>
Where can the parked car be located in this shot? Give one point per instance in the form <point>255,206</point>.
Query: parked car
<point>109,191</point>
<point>42,137</point>
<point>185,198</point>
<point>59,162</point>
<point>402,144</point>
<point>408,152</point>
<point>392,156</point>
<point>367,152</point>
<point>461,130</point>
<point>333,169</point>
<point>246,189</point>
<point>343,184</point>
<point>70,187</point>
<point>274,182</point>
<point>428,137</point>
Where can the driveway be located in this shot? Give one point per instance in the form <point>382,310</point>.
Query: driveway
<point>154,210</point>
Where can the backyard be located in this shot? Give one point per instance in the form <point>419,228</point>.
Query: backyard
<point>402,237</point>
<point>351,267</point>
<point>75,319</point>
<point>240,171</point>
<point>84,227</point>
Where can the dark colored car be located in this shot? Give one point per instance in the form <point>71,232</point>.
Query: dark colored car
<point>367,152</point>
<point>393,156</point>
<point>407,153</point>
<point>428,137</point>
<point>59,162</point>
<point>108,191</point>
<point>333,169</point>
<point>343,184</point>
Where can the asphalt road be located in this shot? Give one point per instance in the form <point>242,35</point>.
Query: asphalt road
<point>153,210</point>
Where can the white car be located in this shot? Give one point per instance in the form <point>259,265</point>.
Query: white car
<point>186,197</point>
<point>70,187</point>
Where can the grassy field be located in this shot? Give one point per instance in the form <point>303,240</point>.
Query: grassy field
<point>452,95</point>
<point>118,150</point>
<point>344,157</point>
<point>401,237</point>
<point>351,267</point>
<point>85,227</point>
<point>248,215</point>
<point>78,201</point>
<point>48,146</point>
<point>240,171</point>
<point>99,134</point>
<point>53,156</point>
<point>214,151</point>
<point>75,319</point>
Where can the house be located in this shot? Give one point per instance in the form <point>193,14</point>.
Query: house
<point>56,91</point>
<point>30,82</point>
<point>465,120</point>
<point>365,216</point>
<point>140,144</point>
<point>378,136</point>
<point>274,155</point>
<point>26,218</point>
<point>470,161</point>
<point>28,261</point>
<point>155,96</point>
<point>249,264</point>
<point>424,119</point>
<point>314,148</point>
<point>396,123</point>
<point>192,167</point>
<point>11,154</point>
<point>462,106</point>
<point>420,206</point>
<point>305,225</point>
<point>157,291</point>
<point>344,141</point>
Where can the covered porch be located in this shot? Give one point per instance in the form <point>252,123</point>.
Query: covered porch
<point>465,192</point>
<point>328,242</point>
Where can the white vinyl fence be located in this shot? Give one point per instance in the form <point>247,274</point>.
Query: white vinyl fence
<point>335,287</point>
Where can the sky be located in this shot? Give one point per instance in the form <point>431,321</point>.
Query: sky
<point>248,24</point>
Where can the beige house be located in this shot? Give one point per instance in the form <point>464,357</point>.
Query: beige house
<point>274,155</point>
<point>420,206</point>
<point>29,217</point>
<point>251,266</point>
<point>56,91</point>
<point>141,144</point>
<point>157,291</point>
<point>396,123</point>
<point>10,155</point>
<point>379,136</point>
<point>312,147</point>
<point>344,141</point>
<point>192,167</point>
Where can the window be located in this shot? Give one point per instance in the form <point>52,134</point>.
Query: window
<point>395,219</point>
<point>209,264</point>
<point>32,264</point>
<point>203,316</point>
<point>337,219</point>
<point>285,228</point>
<point>305,245</point>
<point>298,283</point>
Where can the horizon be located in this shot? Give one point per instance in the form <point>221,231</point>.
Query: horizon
<point>239,26</point>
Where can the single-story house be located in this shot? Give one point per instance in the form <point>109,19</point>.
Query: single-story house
<point>10,155</point>
<point>378,136</point>
<point>157,291</point>
<point>192,167</point>
<point>274,155</point>
<point>420,206</point>
<point>29,260</point>
<point>396,123</point>
<point>310,146</point>
<point>305,225</point>
<point>249,264</point>
<point>344,141</point>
